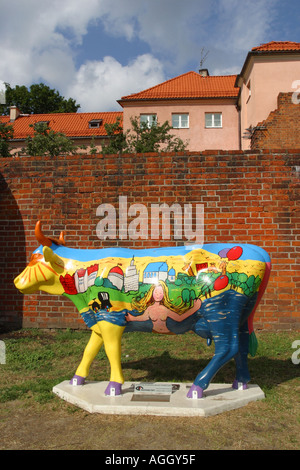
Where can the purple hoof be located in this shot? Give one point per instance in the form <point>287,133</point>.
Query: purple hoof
<point>113,389</point>
<point>239,385</point>
<point>77,380</point>
<point>195,392</point>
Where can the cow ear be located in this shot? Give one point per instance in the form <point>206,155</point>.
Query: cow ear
<point>51,257</point>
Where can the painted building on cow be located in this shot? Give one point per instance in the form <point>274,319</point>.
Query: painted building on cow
<point>116,277</point>
<point>131,280</point>
<point>156,271</point>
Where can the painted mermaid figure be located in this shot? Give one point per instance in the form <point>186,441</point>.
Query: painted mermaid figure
<point>157,307</point>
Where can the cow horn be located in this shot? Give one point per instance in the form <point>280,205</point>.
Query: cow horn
<point>47,241</point>
<point>61,239</point>
<point>40,236</point>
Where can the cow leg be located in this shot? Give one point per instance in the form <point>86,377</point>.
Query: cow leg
<point>225,333</point>
<point>90,352</point>
<point>112,335</point>
<point>241,358</point>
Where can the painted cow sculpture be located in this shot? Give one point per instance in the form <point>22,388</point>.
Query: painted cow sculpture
<point>212,290</point>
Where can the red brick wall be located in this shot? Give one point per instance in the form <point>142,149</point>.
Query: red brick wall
<point>248,197</point>
<point>281,130</point>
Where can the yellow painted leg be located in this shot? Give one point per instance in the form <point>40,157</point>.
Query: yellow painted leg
<point>90,352</point>
<point>112,335</point>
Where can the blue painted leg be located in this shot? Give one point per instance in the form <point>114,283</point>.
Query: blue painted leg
<point>223,354</point>
<point>225,333</point>
<point>241,358</point>
<point>220,321</point>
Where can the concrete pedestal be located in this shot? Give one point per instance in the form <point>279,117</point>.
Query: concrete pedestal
<point>217,399</point>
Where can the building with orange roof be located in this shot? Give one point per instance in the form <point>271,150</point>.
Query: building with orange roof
<point>220,112</point>
<point>201,108</point>
<point>207,112</point>
<point>268,70</point>
<point>84,129</point>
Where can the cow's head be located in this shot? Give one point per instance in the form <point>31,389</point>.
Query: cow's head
<point>44,268</point>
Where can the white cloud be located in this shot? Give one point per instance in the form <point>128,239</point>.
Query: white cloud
<point>98,84</point>
<point>177,31</point>
<point>27,32</point>
<point>241,26</point>
<point>167,26</point>
<point>39,41</point>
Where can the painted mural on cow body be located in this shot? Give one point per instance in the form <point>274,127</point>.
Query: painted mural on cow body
<point>212,290</point>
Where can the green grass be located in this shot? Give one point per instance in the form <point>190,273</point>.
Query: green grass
<point>33,417</point>
<point>36,360</point>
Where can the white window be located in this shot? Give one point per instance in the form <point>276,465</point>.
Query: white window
<point>95,123</point>
<point>148,119</point>
<point>180,121</point>
<point>213,119</point>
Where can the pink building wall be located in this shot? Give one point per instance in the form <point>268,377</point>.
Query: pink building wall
<point>266,77</point>
<point>199,138</point>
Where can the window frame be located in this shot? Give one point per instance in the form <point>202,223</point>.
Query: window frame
<point>213,126</point>
<point>180,126</point>
<point>95,123</point>
<point>148,116</point>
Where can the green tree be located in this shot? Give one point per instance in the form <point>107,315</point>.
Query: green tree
<point>117,139</point>
<point>6,133</point>
<point>185,295</point>
<point>141,138</point>
<point>205,283</point>
<point>144,138</point>
<point>37,99</point>
<point>47,142</point>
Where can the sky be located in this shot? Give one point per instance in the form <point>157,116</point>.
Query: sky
<point>96,51</point>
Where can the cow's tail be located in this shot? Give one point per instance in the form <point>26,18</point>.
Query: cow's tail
<point>252,337</point>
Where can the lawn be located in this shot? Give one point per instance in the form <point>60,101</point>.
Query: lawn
<point>32,417</point>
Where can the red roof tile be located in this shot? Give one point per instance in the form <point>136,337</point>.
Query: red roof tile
<point>190,85</point>
<point>273,47</point>
<point>278,46</point>
<point>71,124</point>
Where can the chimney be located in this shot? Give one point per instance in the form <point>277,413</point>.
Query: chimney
<point>203,72</point>
<point>14,113</point>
